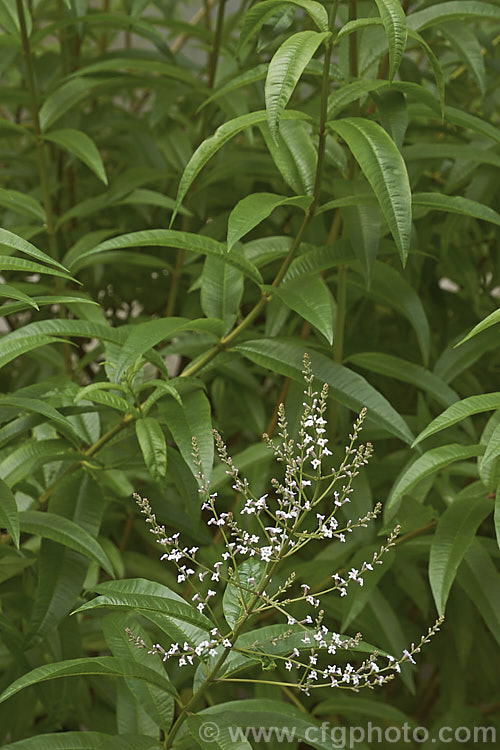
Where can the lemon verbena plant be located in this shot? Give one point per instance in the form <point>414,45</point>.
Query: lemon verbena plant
<point>253,582</point>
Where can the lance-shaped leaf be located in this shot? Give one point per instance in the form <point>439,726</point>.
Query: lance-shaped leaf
<point>153,446</point>
<point>211,145</point>
<point>7,290</point>
<point>491,320</point>
<point>496,516</point>
<point>310,297</point>
<point>82,146</point>
<point>179,610</point>
<point>9,518</point>
<point>394,20</point>
<point>454,535</point>
<point>456,204</point>
<point>148,334</point>
<point>109,666</point>
<point>9,239</point>
<point>285,356</point>
<point>191,419</point>
<point>196,243</point>
<point>240,591</point>
<point>21,203</point>
<point>459,411</point>
<point>285,70</point>
<point>479,577</point>
<point>455,10</point>
<point>466,43</point>
<point>408,372</point>
<point>428,464</point>
<point>385,170</point>
<point>260,13</point>
<point>66,532</point>
<point>11,263</point>
<point>84,741</point>
<point>253,209</point>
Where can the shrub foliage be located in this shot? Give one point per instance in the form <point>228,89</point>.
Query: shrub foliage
<point>194,196</point>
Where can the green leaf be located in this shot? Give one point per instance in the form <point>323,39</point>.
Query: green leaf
<point>459,411</point>
<point>389,287</point>
<point>9,518</point>
<point>221,291</point>
<point>408,372</point>
<point>490,320</point>
<point>66,532</point>
<point>161,388</point>
<point>157,704</point>
<point>435,65</point>
<point>211,145</point>
<point>180,610</point>
<point>251,210</point>
<point>285,70</point>
<point>184,622</point>
<point>11,349</point>
<point>61,570</point>
<point>195,243</point>
<point>362,225</point>
<point>266,712</point>
<point>385,170</point>
<point>109,666</point>
<point>491,453</point>
<point>454,535</point>
<point>294,154</point>
<point>9,239</point>
<point>352,706</point>
<point>310,297</point>
<point>145,336</point>
<point>496,516</point>
<point>211,736</point>
<point>10,263</point>
<point>456,204</point>
<point>285,356</point>
<point>101,396</point>
<point>21,203</point>
<point>467,45</point>
<point>82,146</point>
<point>38,406</point>
<point>63,99</point>
<point>192,419</point>
<point>394,20</point>
<point>236,82</point>
<point>441,151</point>
<point>241,588</point>
<point>430,463</point>
<point>7,290</point>
<point>456,10</point>
<point>137,65</point>
<point>153,446</point>
<point>472,122</point>
<point>260,13</point>
<point>58,299</point>
<point>480,579</point>
<point>84,741</point>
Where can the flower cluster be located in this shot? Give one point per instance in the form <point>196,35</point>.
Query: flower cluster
<point>257,537</point>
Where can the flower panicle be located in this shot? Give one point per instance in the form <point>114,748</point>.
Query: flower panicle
<point>261,532</point>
